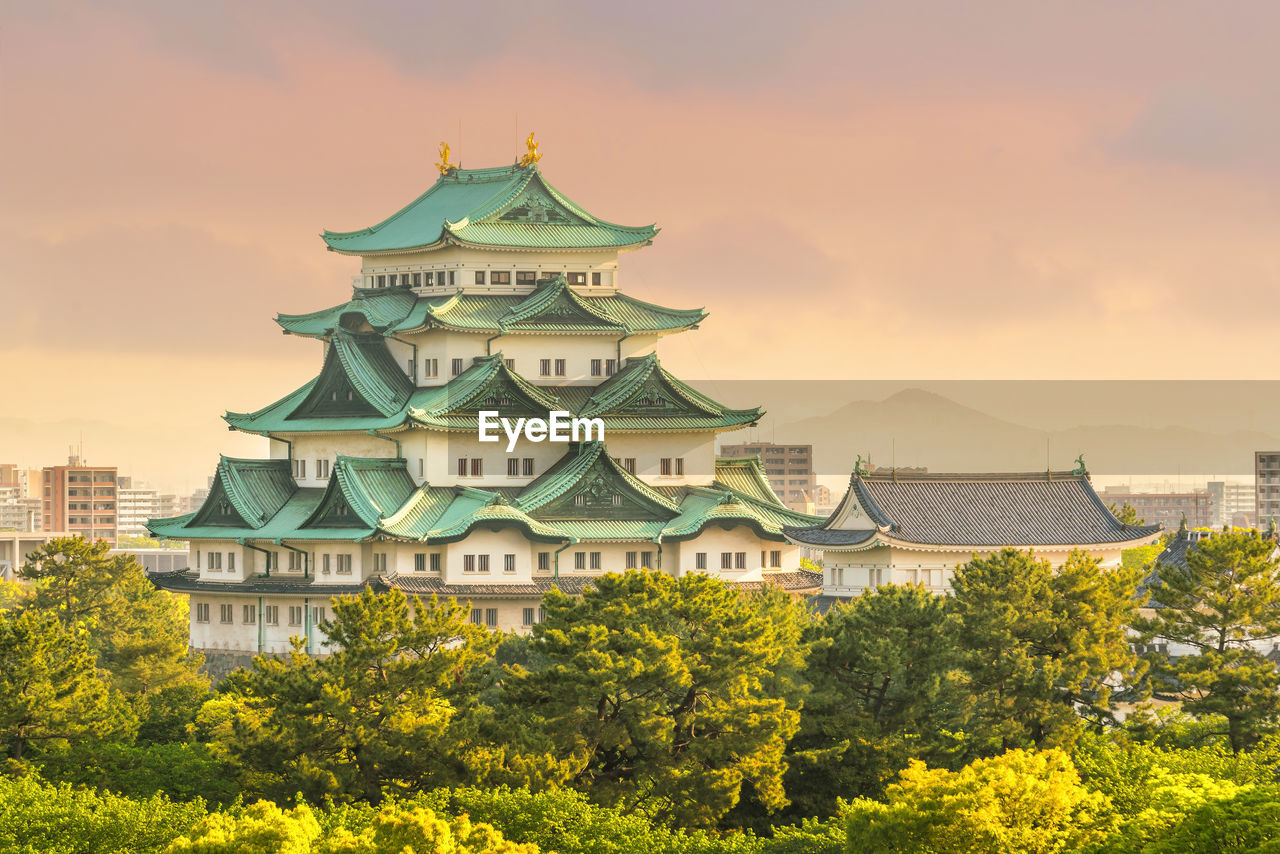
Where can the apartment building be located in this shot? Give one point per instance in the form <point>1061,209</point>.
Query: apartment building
<point>80,499</point>
<point>1266,480</point>
<point>1164,508</point>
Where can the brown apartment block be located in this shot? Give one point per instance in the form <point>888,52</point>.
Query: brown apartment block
<point>788,467</point>
<point>81,499</point>
<point>1164,508</point>
<point>1266,479</point>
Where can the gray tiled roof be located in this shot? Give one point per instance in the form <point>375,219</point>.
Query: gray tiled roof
<point>189,581</point>
<point>981,510</point>
<point>796,580</point>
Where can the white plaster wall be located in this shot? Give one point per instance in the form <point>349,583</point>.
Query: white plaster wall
<point>327,446</point>
<point>495,544</point>
<point>648,449</point>
<point>465,261</point>
<point>715,540</point>
<point>439,453</point>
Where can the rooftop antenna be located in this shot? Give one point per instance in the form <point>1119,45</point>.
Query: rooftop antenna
<point>515,138</point>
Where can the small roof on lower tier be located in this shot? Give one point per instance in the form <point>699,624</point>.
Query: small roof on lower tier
<point>586,496</point>
<point>963,511</point>
<point>189,581</point>
<point>551,307</point>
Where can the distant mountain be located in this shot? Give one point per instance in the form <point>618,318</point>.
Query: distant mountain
<point>914,427</point>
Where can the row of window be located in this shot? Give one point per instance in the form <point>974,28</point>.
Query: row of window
<point>489,616</point>
<point>449,278</point>
<point>249,614</point>
<point>294,562</point>
<point>480,563</point>
<point>322,469</point>
<point>524,467</point>
<point>546,367</point>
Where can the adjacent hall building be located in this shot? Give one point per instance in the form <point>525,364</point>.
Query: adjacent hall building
<point>916,527</point>
<point>492,291</point>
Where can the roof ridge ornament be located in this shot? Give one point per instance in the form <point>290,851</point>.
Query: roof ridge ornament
<point>859,468</point>
<point>531,155</point>
<point>446,168</point>
<point>1080,468</point>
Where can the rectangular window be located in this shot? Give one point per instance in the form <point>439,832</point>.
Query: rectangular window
<point>431,367</point>
<point>250,614</point>
<point>597,367</point>
<point>477,616</point>
<point>513,466</point>
<point>595,278</point>
<point>382,281</point>
<point>420,562</point>
<point>295,615</point>
<point>500,277</point>
<point>544,367</point>
<point>510,363</point>
<point>576,278</point>
<point>317,615</point>
<point>456,367</point>
<point>322,469</point>
<point>477,467</point>
<point>528,616</point>
<point>664,466</point>
<point>324,565</point>
<point>560,367</point>
<point>301,466</point>
<point>526,277</point>
<point>482,563</point>
<point>646,560</point>
<point>417,280</point>
<point>595,560</point>
<point>231,561</point>
<point>202,613</point>
<point>440,278</point>
<point>380,563</point>
<point>479,277</point>
<point>775,558</point>
<point>579,560</point>
<point>422,465</point>
<point>508,563</point>
<point>435,562</point>
<point>631,560</point>
<point>271,615</point>
<point>451,278</point>
<point>410,367</point>
<point>726,560</point>
<point>629,463</point>
<point>739,560</point>
<point>344,564</point>
<point>679,466</point>
<point>491,617</point>
<point>468,563</point>
<point>404,279</point>
<point>544,561</point>
<point>462,466</point>
<point>526,467</point>
<point>226,613</point>
<point>700,560</point>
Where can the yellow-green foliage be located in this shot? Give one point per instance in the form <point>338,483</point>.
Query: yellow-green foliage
<point>262,828</point>
<point>1019,803</point>
<point>415,830</point>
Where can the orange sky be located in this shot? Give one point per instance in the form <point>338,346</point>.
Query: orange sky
<point>1064,191</point>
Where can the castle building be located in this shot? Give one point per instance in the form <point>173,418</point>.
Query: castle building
<point>491,292</point>
<point>915,527</point>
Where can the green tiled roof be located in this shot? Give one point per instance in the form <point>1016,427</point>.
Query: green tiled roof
<point>487,384</point>
<point>506,207</point>
<point>745,476</point>
<point>586,483</point>
<point>362,488</point>
<point>246,493</point>
<point>727,508</point>
<point>644,396</point>
<point>392,310</point>
<point>286,524</point>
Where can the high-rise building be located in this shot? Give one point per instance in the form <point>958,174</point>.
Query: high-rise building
<point>1266,480</point>
<point>1164,508</point>
<point>1231,500</point>
<point>491,296</point>
<point>80,499</point>
<point>789,469</point>
<point>134,506</point>
<point>18,512</point>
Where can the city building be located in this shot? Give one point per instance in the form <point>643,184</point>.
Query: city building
<point>1231,501</point>
<point>16,545</point>
<point>1266,480</point>
<point>80,499</point>
<point>901,527</point>
<point>789,469</point>
<point>135,505</point>
<point>19,512</point>
<point>1167,509</point>
<point>491,292</point>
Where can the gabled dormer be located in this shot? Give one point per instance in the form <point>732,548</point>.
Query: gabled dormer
<point>589,484</point>
<point>359,378</point>
<point>487,385</point>
<point>246,493</point>
<point>644,396</point>
<point>554,306</point>
<point>361,492</point>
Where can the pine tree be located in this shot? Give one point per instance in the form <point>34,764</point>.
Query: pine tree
<point>1223,603</point>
